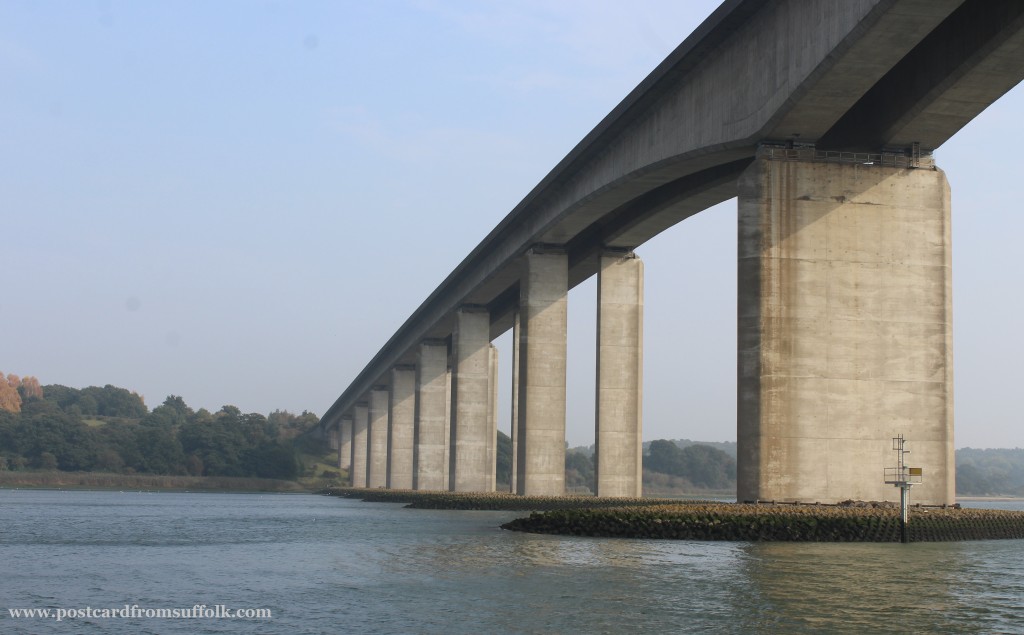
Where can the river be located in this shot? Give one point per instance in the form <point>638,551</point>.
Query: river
<point>332,565</point>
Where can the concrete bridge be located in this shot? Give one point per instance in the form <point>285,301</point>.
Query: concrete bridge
<point>821,117</point>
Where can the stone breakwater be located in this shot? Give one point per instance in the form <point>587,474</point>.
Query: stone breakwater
<point>706,520</point>
<point>494,501</point>
<point>804,523</point>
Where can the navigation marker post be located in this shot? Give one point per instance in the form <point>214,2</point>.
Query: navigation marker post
<point>904,478</point>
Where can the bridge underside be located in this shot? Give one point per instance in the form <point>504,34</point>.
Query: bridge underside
<point>844,337</point>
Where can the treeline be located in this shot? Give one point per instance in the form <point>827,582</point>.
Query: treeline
<point>109,429</point>
<point>667,468</point>
<point>990,472</point>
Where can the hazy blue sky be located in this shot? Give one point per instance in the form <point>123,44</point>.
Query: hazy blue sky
<point>239,202</point>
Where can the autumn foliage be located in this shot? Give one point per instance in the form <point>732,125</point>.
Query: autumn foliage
<point>14,390</point>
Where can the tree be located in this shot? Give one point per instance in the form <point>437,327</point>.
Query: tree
<point>10,400</point>
<point>702,465</point>
<point>30,388</point>
<point>503,472</point>
<point>579,470</point>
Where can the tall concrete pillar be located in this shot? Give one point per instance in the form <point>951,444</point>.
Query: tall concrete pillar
<point>360,429</point>
<point>345,442</point>
<point>332,437</point>
<point>431,436</point>
<point>620,309</point>
<point>401,423</point>
<point>542,352</point>
<point>448,424</point>
<point>492,422</point>
<point>515,402</point>
<point>377,438</point>
<point>470,416</point>
<point>845,331</point>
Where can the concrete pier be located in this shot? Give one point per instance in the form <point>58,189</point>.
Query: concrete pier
<point>542,354</point>
<point>345,445</point>
<point>515,401</point>
<point>492,418</point>
<point>620,307</point>
<point>401,424</point>
<point>431,436</point>
<point>845,331</point>
<point>360,429</point>
<point>470,411</point>
<point>377,438</point>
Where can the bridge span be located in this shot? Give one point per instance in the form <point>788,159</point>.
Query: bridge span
<point>821,117</point>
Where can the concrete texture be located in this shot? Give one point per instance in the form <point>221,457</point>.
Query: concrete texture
<point>360,427</point>
<point>620,317</point>
<point>332,438</point>
<point>845,331</point>
<point>431,436</point>
<point>492,423</point>
<point>345,445</point>
<point>542,353</point>
<point>515,401</point>
<point>401,427</point>
<point>471,417</point>
<point>377,438</point>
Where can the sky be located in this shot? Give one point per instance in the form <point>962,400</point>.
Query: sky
<point>239,202</point>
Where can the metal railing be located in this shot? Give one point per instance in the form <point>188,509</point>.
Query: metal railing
<point>899,475</point>
<point>883,159</point>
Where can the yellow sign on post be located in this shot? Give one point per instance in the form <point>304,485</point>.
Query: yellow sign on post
<point>916,471</point>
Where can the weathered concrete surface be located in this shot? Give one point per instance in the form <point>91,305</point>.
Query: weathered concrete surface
<point>332,438</point>
<point>542,354</point>
<point>471,397</point>
<point>377,439</point>
<point>360,429</point>
<point>345,446</point>
<point>492,423</point>
<point>401,427</point>
<point>515,401</point>
<point>431,436</point>
<point>845,331</point>
<point>620,316</point>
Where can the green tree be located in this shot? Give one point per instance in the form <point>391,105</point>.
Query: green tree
<point>503,471</point>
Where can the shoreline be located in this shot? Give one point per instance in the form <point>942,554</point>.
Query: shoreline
<point>101,481</point>
<point>674,519</point>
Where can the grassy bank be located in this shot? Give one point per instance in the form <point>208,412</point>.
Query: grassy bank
<point>146,482</point>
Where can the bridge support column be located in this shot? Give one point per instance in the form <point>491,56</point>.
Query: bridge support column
<point>360,429</point>
<point>515,402</point>
<point>332,438</point>
<point>377,438</point>
<point>401,414</point>
<point>345,443</point>
<point>542,353</point>
<point>492,418</point>
<point>471,417</point>
<point>845,332</point>
<point>620,305</point>
<point>431,439</point>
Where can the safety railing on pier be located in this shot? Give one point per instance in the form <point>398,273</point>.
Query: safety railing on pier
<point>915,159</point>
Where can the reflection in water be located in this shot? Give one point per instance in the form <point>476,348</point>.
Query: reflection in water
<point>857,588</point>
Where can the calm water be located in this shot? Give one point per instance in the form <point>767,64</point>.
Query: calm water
<point>329,565</point>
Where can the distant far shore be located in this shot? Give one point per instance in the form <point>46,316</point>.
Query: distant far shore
<point>990,498</point>
<point>144,482</point>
